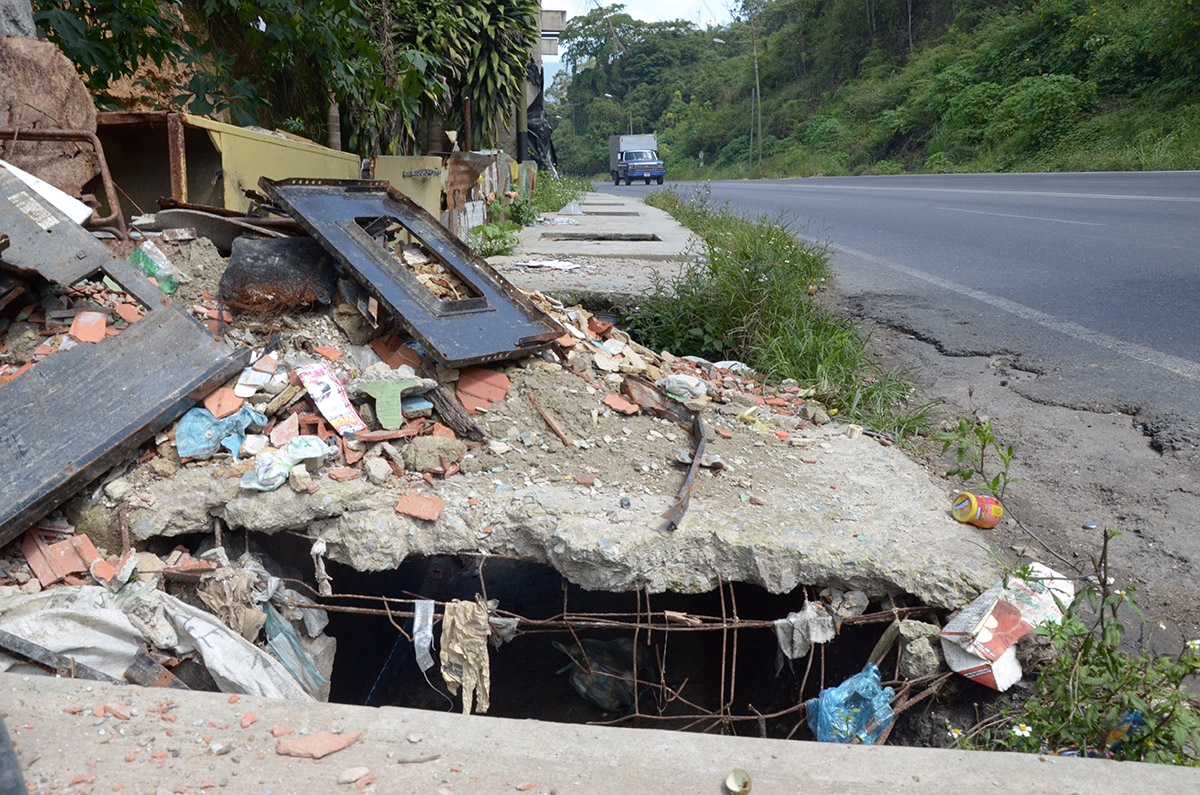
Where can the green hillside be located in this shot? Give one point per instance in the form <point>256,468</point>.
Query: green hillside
<point>884,86</point>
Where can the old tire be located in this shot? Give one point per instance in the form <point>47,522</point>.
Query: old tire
<point>629,180</point>
<point>616,178</point>
<point>660,180</point>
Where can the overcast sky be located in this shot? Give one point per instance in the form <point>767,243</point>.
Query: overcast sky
<point>699,12</point>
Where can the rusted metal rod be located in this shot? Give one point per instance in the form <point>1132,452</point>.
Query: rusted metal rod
<point>16,134</point>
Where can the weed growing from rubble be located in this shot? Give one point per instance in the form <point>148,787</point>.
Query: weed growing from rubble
<point>975,447</point>
<point>551,194</point>
<point>750,295</point>
<point>493,239</point>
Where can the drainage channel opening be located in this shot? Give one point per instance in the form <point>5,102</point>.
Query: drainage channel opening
<point>704,662</point>
<point>631,237</point>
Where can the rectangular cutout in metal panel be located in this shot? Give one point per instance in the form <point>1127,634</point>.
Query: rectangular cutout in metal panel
<point>496,322</point>
<point>75,414</point>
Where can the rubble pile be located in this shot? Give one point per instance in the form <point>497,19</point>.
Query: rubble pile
<point>59,318</point>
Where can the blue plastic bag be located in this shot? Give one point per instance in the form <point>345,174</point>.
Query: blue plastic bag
<point>201,435</point>
<point>856,710</point>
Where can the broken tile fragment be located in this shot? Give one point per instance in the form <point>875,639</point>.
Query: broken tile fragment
<point>130,313</point>
<point>332,354</point>
<point>618,403</point>
<point>222,402</point>
<point>341,474</point>
<point>316,746</point>
<point>89,326</point>
<point>419,507</point>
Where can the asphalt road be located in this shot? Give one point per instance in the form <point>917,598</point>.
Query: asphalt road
<point>1090,280</point>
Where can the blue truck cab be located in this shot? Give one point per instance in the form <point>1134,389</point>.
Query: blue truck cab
<point>635,157</point>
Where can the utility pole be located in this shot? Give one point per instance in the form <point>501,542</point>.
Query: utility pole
<point>758,94</point>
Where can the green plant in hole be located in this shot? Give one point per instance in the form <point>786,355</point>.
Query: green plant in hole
<point>1103,700</point>
<point>975,447</point>
<point>493,239</point>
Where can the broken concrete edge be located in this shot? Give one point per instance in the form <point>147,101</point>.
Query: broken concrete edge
<point>767,546</point>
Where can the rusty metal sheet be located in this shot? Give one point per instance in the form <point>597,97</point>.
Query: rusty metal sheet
<point>499,323</point>
<point>76,414</point>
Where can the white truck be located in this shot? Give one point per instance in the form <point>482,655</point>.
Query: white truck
<point>633,157</point>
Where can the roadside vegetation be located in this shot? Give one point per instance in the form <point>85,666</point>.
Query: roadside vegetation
<point>753,295</point>
<point>927,86</point>
<point>1098,693</point>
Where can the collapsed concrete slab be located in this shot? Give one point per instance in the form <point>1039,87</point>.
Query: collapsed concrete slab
<point>818,508</point>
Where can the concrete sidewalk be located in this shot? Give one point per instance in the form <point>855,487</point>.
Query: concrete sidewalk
<point>612,268</point>
<point>199,744</point>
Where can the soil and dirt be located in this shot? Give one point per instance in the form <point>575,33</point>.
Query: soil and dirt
<point>1073,468</point>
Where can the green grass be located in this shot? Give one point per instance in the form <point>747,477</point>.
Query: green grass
<point>752,295</point>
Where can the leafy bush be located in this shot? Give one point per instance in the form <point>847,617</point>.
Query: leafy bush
<point>1037,111</point>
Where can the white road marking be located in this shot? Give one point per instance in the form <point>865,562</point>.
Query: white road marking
<point>1026,217</point>
<point>1050,194</point>
<point>1184,368</point>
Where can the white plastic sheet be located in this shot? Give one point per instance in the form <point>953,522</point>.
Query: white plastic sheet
<point>105,630</point>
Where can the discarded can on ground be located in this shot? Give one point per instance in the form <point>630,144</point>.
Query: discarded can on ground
<point>979,510</point>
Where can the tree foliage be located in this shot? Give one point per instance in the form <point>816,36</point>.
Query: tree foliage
<point>880,85</point>
<point>389,64</point>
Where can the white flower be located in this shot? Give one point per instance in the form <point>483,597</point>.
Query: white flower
<point>1119,592</point>
<point>955,733</point>
<point>1161,625</point>
<point>1194,645</point>
<point>1022,730</point>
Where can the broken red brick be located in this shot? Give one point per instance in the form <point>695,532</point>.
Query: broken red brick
<point>249,719</point>
<point>89,326</point>
<point>285,431</point>
<point>587,479</point>
<point>415,505</point>
<point>618,403</point>
<point>235,698</point>
<point>443,431</point>
<point>266,364</point>
<point>600,328</point>
<point>316,746</point>
<point>73,710</point>
<point>222,403</point>
<point>781,434</point>
<point>364,782</point>
<point>776,401</point>
<point>567,341</point>
<point>724,433</point>
<point>279,731</point>
<point>341,474</point>
<point>53,562</point>
<point>117,710</point>
<point>808,459</point>
<point>332,354</point>
<point>756,501</point>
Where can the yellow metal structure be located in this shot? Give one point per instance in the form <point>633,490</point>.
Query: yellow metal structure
<point>420,185</point>
<point>247,155</point>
